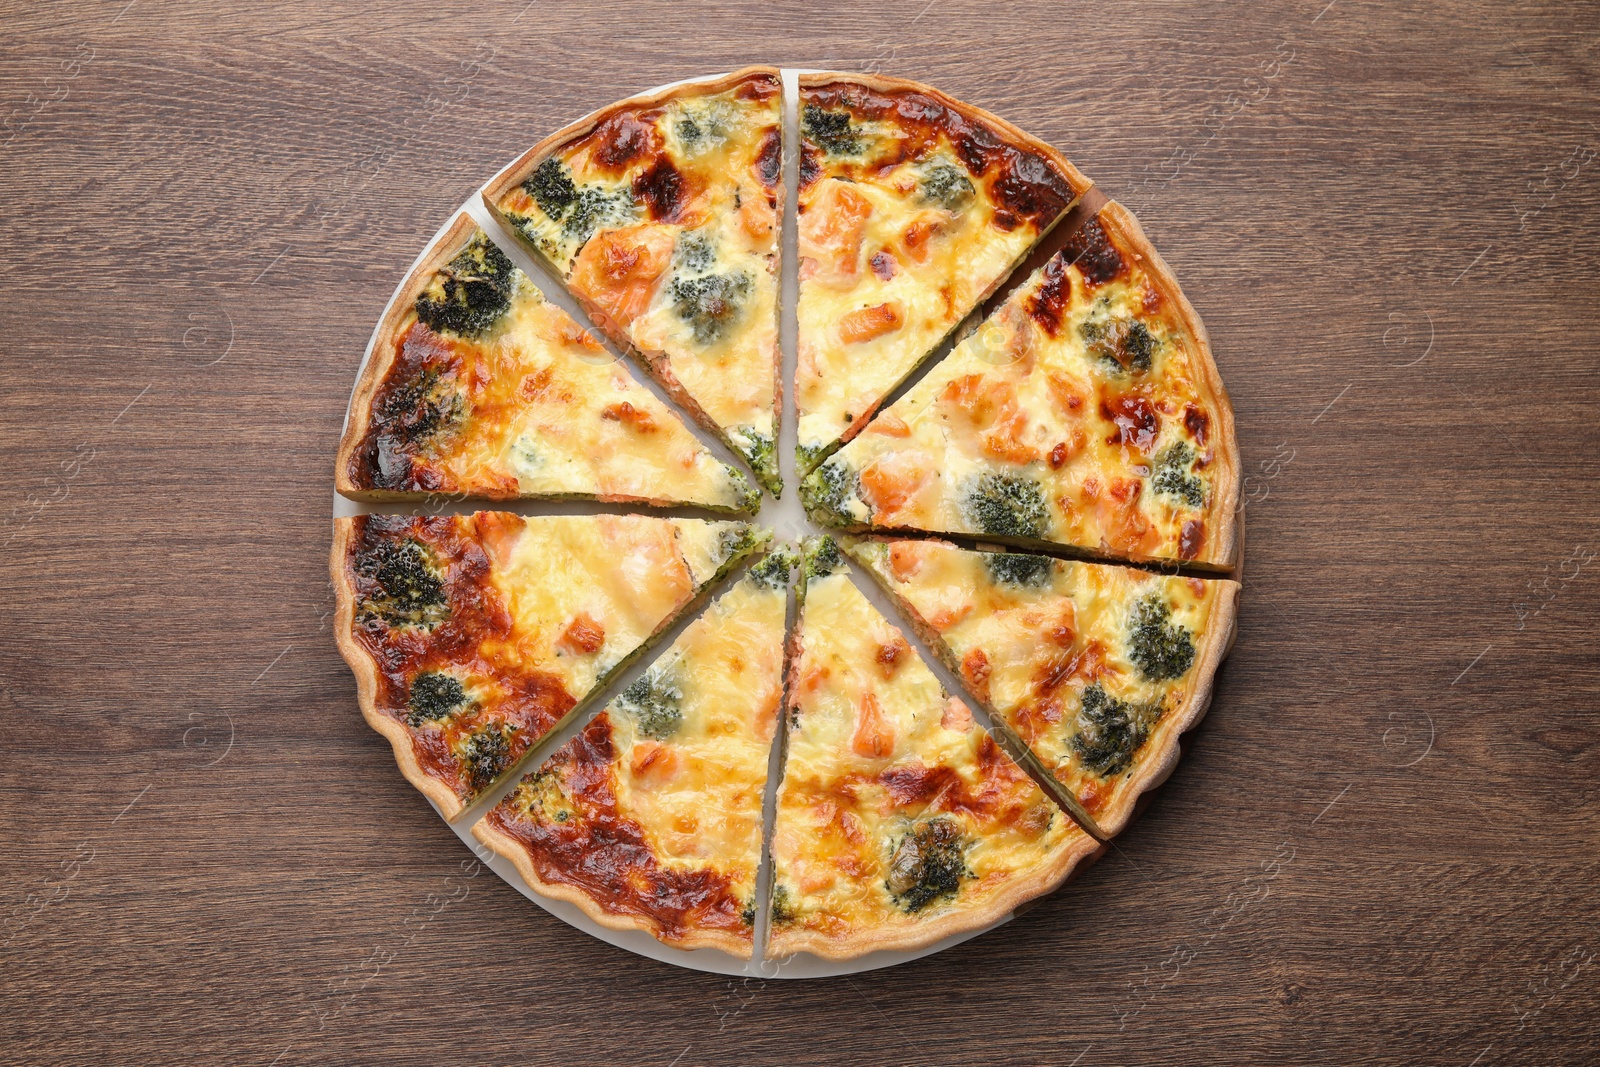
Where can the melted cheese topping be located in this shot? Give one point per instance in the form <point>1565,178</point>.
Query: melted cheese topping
<point>1033,430</point>
<point>536,408</point>
<point>670,242</point>
<point>893,255</point>
<point>696,787</point>
<point>877,752</point>
<point>680,773</point>
<point>1030,635</point>
<point>587,591</point>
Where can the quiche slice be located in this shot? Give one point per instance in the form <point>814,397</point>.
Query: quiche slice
<point>661,214</point>
<point>1098,669</point>
<point>650,819</point>
<point>1086,411</point>
<point>899,821</point>
<point>473,636</point>
<point>913,207</point>
<point>478,386</point>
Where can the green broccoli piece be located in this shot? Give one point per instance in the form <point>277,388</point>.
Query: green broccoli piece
<point>808,456</point>
<point>410,591</point>
<point>773,572</point>
<point>1015,568</point>
<point>421,407</point>
<point>551,187</point>
<point>655,703</point>
<point>1125,344</point>
<point>828,490</point>
<point>783,910</point>
<point>710,302</point>
<point>485,755</point>
<point>926,865</point>
<point>1174,477</point>
<point>1109,731</point>
<point>1006,505</point>
<point>468,295</point>
<point>581,210</point>
<point>830,130</point>
<point>1160,649</point>
<point>693,253</point>
<point>434,696</point>
<point>762,455</point>
<point>947,186</point>
<point>822,557</point>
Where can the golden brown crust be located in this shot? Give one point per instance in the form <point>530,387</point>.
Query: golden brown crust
<point>1222,541</point>
<point>1163,752</point>
<point>507,846</point>
<point>1079,182</point>
<point>366,671</point>
<point>515,174</point>
<point>1033,884</point>
<point>397,318</point>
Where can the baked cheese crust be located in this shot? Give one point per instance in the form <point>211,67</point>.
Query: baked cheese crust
<point>1086,411</point>
<point>473,636</point>
<point>661,213</point>
<point>1098,669</point>
<point>912,208</point>
<point>478,386</point>
<point>899,821</point>
<point>650,819</point>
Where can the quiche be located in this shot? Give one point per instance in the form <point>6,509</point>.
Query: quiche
<point>650,819</point>
<point>473,636</point>
<point>912,208</point>
<point>478,386</point>
<point>1085,412</point>
<point>1098,669</point>
<point>661,215</point>
<point>899,821</point>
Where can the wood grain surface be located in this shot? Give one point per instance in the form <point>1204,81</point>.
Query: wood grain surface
<point>1382,846</point>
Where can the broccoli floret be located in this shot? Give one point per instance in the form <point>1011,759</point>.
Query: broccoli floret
<point>415,410</point>
<point>1159,648</point>
<point>597,208</point>
<point>822,557</point>
<point>1006,505</point>
<point>736,539</point>
<point>827,490</point>
<point>1174,477</point>
<point>694,253</point>
<point>809,456</point>
<point>485,755</point>
<point>709,302</point>
<point>410,591</point>
<point>830,130</point>
<point>947,186</point>
<point>655,704</point>
<point>773,572</point>
<point>762,454</point>
<point>551,187</point>
<point>1125,344</point>
<point>469,294</point>
<point>1015,568</point>
<point>688,130</point>
<point>580,210</point>
<point>1109,731</point>
<point>783,910</point>
<point>434,695</point>
<point>926,865</point>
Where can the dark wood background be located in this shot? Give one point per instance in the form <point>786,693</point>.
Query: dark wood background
<point>1381,847</point>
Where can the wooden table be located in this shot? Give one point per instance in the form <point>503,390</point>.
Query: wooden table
<point>1381,846</point>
